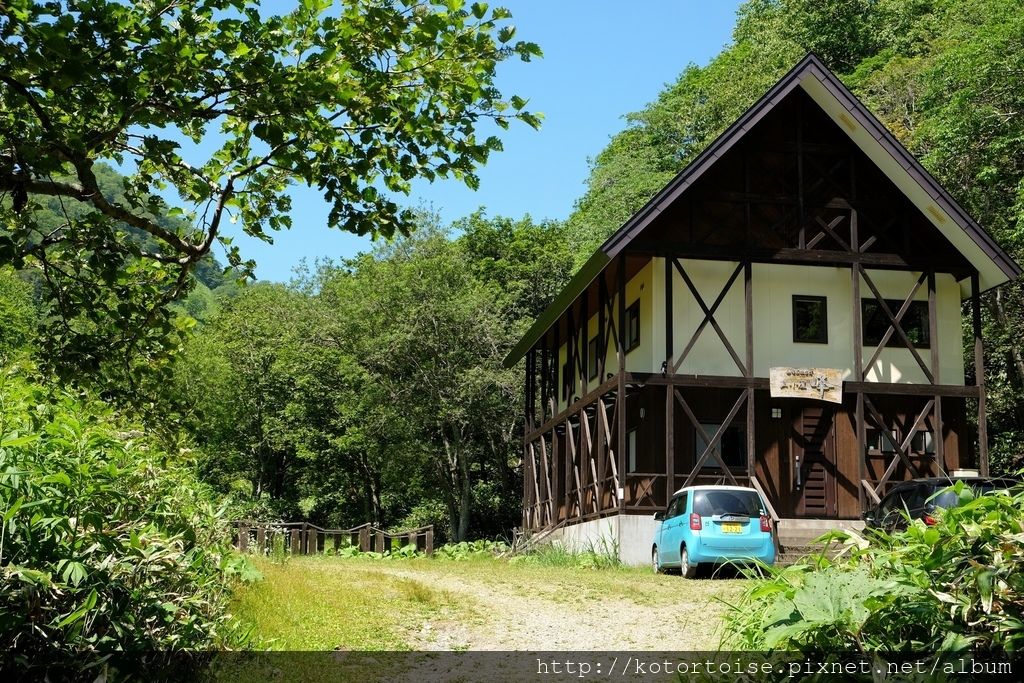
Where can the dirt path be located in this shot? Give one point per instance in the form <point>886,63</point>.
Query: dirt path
<point>622,611</point>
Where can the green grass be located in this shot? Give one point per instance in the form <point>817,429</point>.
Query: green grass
<point>326,603</point>
<point>334,603</point>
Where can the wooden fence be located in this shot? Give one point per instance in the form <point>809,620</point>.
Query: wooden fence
<point>302,538</point>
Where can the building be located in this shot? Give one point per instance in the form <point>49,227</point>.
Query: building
<point>807,244</point>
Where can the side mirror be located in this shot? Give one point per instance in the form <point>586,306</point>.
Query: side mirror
<point>659,516</point>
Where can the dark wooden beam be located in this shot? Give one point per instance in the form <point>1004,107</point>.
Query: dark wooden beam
<point>748,309</point>
<point>620,402</point>
<point>979,374</point>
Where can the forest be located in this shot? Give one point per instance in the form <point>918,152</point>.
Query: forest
<point>178,392</point>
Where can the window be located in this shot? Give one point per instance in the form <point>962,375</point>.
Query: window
<point>592,365</point>
<point>732,448</point>
<point>923,442</point>
<point>676,507</point>
<point>633,326</point>
<point>567,381</point>
<point>631,442</point>
<point>877,443</point>
<point>810,319</point>
<point>914,323</point>
<point>708,503</point>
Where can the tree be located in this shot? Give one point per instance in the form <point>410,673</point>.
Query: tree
<point>357,102</point>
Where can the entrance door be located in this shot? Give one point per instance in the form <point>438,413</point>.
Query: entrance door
<point>814,455</point>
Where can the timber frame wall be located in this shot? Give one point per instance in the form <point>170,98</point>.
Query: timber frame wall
<point>574,465</point>
<point>806,177</point>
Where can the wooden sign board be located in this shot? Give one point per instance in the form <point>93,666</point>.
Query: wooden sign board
<point>822,384</point>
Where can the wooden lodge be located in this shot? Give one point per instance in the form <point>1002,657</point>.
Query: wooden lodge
<point>805,237</point>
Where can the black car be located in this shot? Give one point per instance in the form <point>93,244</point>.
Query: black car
<point>919,498</point>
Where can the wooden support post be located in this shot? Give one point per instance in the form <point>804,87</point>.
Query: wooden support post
<point>243,538</point>
<point>670,432</point>
<point>294,541</point>
<point>862,449</point>
<point>364,539</point>
<point>311,541</point>
<point>261,539</point>
<point>749,319</point>
<point>979,375</point>
<point>380,542</point>
<point>428,542</point>
<point>620,405</point>
<point>933,338</point>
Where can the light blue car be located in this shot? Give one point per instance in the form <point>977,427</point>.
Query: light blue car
<point>712,524</point>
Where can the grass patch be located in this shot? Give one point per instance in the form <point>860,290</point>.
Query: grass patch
<point>324,603</point>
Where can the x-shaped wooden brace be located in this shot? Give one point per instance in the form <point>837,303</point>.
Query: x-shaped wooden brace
<point>828,229</point>
<point>709,317</point>
<point>901,448</point>
<point>588,452</point>
<point>546,466</point>
<point>711,441</point>
<point>602,411</point>
<point>894,324</point>
<point>573,451</point>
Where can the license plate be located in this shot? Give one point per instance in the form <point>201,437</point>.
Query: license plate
<point>732,528</point>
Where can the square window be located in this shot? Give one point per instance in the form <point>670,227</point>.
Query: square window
<point>731,449</point>
<point>592,365</point>
<point>633,326</point>
<point>923,442</point>
<point>810,319</point>
<point>914,323</point>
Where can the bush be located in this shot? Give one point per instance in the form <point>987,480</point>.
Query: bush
<point>107,544</point>
<point>952,587</point>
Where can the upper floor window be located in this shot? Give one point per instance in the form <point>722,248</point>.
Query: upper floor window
<point>633,326</point>
<point>592,365</point>
<point>810,319</point>
<point>914,323</point>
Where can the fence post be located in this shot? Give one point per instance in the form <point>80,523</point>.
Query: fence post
<point>429,541</point>
<point>243,538</point>
<point>311,541</point>
<point>261,539</point>
<point>364,539</point>
<point>412,539</point>
<point>294,533</point>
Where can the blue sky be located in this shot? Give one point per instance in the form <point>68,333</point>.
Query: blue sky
<point>601,61</point>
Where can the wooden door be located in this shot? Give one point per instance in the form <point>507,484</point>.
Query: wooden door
<point>814,460</point>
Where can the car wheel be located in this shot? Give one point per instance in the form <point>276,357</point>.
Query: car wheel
<point>685,568</point>
<point>656,562</point>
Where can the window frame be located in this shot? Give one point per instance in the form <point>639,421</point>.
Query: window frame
<point>810,298</point>
<point>918,307</point>
<point>593,366</point>
<point>632,312</point>
<point>716,455</point>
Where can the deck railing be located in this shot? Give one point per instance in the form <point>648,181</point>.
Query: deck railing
<point>303,538</point>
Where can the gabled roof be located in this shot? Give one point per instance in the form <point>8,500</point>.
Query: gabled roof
<point>993,264</point>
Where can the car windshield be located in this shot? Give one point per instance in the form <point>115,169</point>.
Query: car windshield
<point>710,503</point>
<point>947,497</point>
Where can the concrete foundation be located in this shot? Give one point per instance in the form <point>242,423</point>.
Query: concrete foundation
<point>631,536</point>
<point>628,536</point>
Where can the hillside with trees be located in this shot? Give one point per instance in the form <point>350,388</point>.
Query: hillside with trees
<point>370,388</point>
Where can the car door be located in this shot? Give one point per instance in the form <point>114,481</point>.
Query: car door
<point>672,530</point>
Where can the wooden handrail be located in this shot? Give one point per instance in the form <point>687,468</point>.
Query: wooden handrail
<point>764,496</point>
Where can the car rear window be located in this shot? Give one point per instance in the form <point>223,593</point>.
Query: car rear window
<point>947,498</point>
<point>709,503</point>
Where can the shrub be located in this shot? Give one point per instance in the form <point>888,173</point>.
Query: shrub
<point>107,544</point>
<point>952,587</point>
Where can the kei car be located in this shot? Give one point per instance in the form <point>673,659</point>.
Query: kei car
<point>712,525</point>
<point>922,498</point>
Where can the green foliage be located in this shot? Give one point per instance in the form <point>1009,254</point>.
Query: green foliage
<point>373,390</point>
<point>951,587</point>
<point>946,76</point>
<point>18,313</point>
<point>357,100</point>
<point>468,550</point>
<point>107,543</point>
<point>600,554</point>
